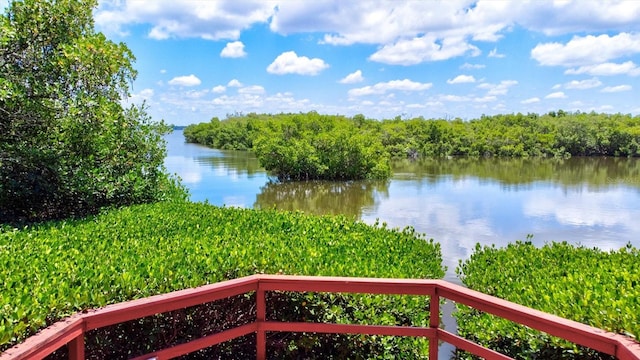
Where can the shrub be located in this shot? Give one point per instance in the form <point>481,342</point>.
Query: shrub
<point>591,286</point>
<point>52,270</point>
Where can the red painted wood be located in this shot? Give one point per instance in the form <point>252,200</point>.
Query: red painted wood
<point>348,329</point>
<point>464,344</point>
<point>72,330</point>
<point>130,310</point>
<point>201,343</point>
<point>567,329</point>
<point>261,317</point>
<point>48,340</point>
<point>434,322</point>
<point>76,348</point>
<point>347,284</point>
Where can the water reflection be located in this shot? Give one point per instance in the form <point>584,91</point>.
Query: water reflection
<point>459,201</point>
<point>518,174</point>
<point>322,197</point>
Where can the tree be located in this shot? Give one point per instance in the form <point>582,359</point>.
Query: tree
<point>67,145</point>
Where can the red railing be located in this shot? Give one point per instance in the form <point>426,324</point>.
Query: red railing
<point>72,330</point>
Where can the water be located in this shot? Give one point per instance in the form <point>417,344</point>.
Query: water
<point>594,202</point>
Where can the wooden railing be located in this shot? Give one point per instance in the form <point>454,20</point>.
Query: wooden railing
<point>72,331</point>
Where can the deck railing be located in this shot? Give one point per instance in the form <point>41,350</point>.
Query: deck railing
<point>72,331</point>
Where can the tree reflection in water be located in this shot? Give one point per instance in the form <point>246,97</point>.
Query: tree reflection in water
<point>322,197</point>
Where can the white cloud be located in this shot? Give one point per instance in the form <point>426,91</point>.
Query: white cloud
<point>494,54</point>
<point>498,89</point>
<point>188,80</point>
<point>453,98</point>
<point>530,100</point>
<point>583,84</point>
<point>290,63</point>
<point>211,20</point>
<point>425,48</point>
<point>233,50</point>
<point>234,83</point>
<point>587,50</point>
<point>619,88</point>
<point>352,78</point>
<point>143,95</point>
<point>562,17</point>
<point>606,69</point>
<point>556,95</point>
<point>163,71</point>
<point>384,87</point>
<point>253,89</point>
<point>196,94</point>
<point>461,79</point>
<point>219,89</point>
<point>488,98</point>
<point>467,66</point>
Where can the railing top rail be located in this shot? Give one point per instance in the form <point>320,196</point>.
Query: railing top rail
<point>60,333</point>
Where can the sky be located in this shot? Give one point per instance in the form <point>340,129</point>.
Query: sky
<point>383,59</point>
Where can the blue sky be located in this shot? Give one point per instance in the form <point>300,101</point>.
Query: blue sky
<point>436,59</point>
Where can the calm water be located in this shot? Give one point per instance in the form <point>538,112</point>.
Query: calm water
<point>458,202</point>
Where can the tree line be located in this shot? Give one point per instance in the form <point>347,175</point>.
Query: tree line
<point>310,145</point>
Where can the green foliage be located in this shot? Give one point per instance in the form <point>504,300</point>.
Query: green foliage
<point>67,146</point>
<point>51,270</point>
<point>315,147</point>
<point>590,286</point>
<point>557,134</point>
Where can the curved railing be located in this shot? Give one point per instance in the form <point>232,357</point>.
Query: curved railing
<point>72,331</point>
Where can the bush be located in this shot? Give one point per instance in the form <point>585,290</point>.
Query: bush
<point>591,286</point>
<point>52,270</point>
<point>67,146</point>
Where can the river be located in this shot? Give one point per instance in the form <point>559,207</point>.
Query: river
<point>594,202</point>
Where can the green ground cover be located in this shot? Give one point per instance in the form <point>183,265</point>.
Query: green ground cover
<point>588,285</point>
<point>52,270</point>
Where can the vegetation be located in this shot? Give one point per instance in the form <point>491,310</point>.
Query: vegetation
<point>300,146</point>
<point>590,286</point>
<point>556,134</point>
<point>67,146</point>
<point>54,269</point>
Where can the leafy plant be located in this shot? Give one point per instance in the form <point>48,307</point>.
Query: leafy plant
<point>588,285</point>
<point>52,270</point>
<point>67,146</point>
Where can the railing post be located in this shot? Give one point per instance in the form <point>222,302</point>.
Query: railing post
<point>76,348</point>
<point>434,323</point>
<point>261,335</point>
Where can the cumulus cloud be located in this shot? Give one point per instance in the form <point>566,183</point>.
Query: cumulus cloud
<point>461,79</point>
<point>219,89</point>
<point>614,89</point>
<point>211,20</point>
<point>556,95</point>
<point>587,50</point>
<point>606,69</point>
<point>353,78</point>
<point>467,66</point>
<point>143,95</point>
<point>583,84</point>
<point>498,89</point>
<point>424,48</point>
<point>384,87</point>
<point>233,50</point>
<point>530,100</point>
<point>234,83</point>
<point>253,89</point>
<point>188,80</point>
<point>290,63</point>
